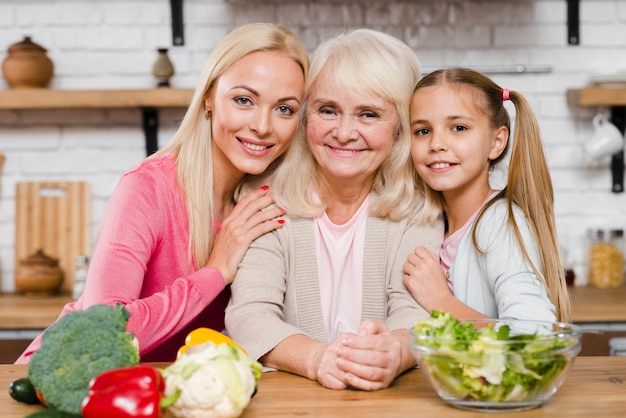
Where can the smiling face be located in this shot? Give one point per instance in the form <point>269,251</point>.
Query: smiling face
<point>254,109</point>
<point>453,141</point>
<point>350,133</point>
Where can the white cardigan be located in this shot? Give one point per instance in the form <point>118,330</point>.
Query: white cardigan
<point>500,283</point>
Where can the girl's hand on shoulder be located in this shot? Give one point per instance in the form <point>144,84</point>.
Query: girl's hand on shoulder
<point>425,279</point>
<point>372,358</point>
<point>254,215</point>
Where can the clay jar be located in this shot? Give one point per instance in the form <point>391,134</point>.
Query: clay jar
<point>38,274</point>
<point>163,69</point>
<point>27,65</point>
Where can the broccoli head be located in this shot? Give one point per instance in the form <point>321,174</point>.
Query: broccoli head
<point>76,348</point>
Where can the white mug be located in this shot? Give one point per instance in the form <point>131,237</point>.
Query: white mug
<point>607,138</point>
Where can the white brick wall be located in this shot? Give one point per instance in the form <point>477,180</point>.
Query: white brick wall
<point>112,44</point>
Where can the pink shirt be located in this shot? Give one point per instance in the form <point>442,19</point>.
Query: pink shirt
<point>450,245</point>
<point>340,268</point>
<point>141,261</point>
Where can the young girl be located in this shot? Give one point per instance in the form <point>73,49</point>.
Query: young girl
<point>500,254</point>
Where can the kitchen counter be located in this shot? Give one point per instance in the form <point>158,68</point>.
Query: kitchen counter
<point>24,312</point>
<point>30,312</point>
<point>602,315</point>
<point>592,304</point>
<point>601,312</point>
<point>594,387</point>
<point>22,318</point>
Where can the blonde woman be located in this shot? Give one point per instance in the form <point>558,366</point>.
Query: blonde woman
<point>323,297</point>
<point>172,235</point>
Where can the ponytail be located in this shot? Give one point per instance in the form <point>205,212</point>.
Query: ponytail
<point>529,186</point>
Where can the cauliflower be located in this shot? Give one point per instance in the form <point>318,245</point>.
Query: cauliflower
<point>215,381</point>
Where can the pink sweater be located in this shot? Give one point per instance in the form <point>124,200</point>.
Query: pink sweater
<point>141,261</point>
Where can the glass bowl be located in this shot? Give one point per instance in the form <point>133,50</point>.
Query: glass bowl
<point>495,365</point>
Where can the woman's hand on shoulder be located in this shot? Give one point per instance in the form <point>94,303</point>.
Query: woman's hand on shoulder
<point>254,215</point>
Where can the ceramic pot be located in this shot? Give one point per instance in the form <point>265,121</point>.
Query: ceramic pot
<point>27,65</point>
<point>38,274</point>
<point>163,69</point>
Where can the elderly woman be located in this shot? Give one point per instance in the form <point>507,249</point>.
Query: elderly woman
<point>323,297</point>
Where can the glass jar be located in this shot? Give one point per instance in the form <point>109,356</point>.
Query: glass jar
<point>606,259</point>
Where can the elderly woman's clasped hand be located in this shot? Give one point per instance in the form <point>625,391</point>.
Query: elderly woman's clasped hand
<point>368,360</point>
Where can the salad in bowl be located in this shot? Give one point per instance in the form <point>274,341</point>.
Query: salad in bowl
<point>494,364</point>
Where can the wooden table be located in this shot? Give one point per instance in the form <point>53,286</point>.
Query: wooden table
<point>595,387</point>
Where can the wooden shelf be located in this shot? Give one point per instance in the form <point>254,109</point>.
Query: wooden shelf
<point>148,100</point>
<point>615,98</point>
<point>597,96</point>
<point>23,99</point>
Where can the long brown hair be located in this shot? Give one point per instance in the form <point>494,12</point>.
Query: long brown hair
<point>529,185</point>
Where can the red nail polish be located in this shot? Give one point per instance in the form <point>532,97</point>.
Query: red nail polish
<point>265,187</point>
<point>281,221</point>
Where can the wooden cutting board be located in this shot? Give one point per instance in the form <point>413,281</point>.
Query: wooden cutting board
<point>54,217</point>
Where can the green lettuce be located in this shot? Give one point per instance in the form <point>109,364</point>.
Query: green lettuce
<point>489,364</point>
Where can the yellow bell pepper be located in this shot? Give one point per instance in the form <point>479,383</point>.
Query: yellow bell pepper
<point>202,335</point>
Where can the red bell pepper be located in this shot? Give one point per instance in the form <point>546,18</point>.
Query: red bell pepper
<point>135,391</point>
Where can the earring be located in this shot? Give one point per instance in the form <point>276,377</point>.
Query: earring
<point>207,113</point>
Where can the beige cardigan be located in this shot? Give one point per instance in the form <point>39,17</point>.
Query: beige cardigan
<point>276,292</point>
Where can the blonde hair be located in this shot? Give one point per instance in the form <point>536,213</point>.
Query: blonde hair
<point>360,60</point>
<point>192,143</point>
<point>529,184</point>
